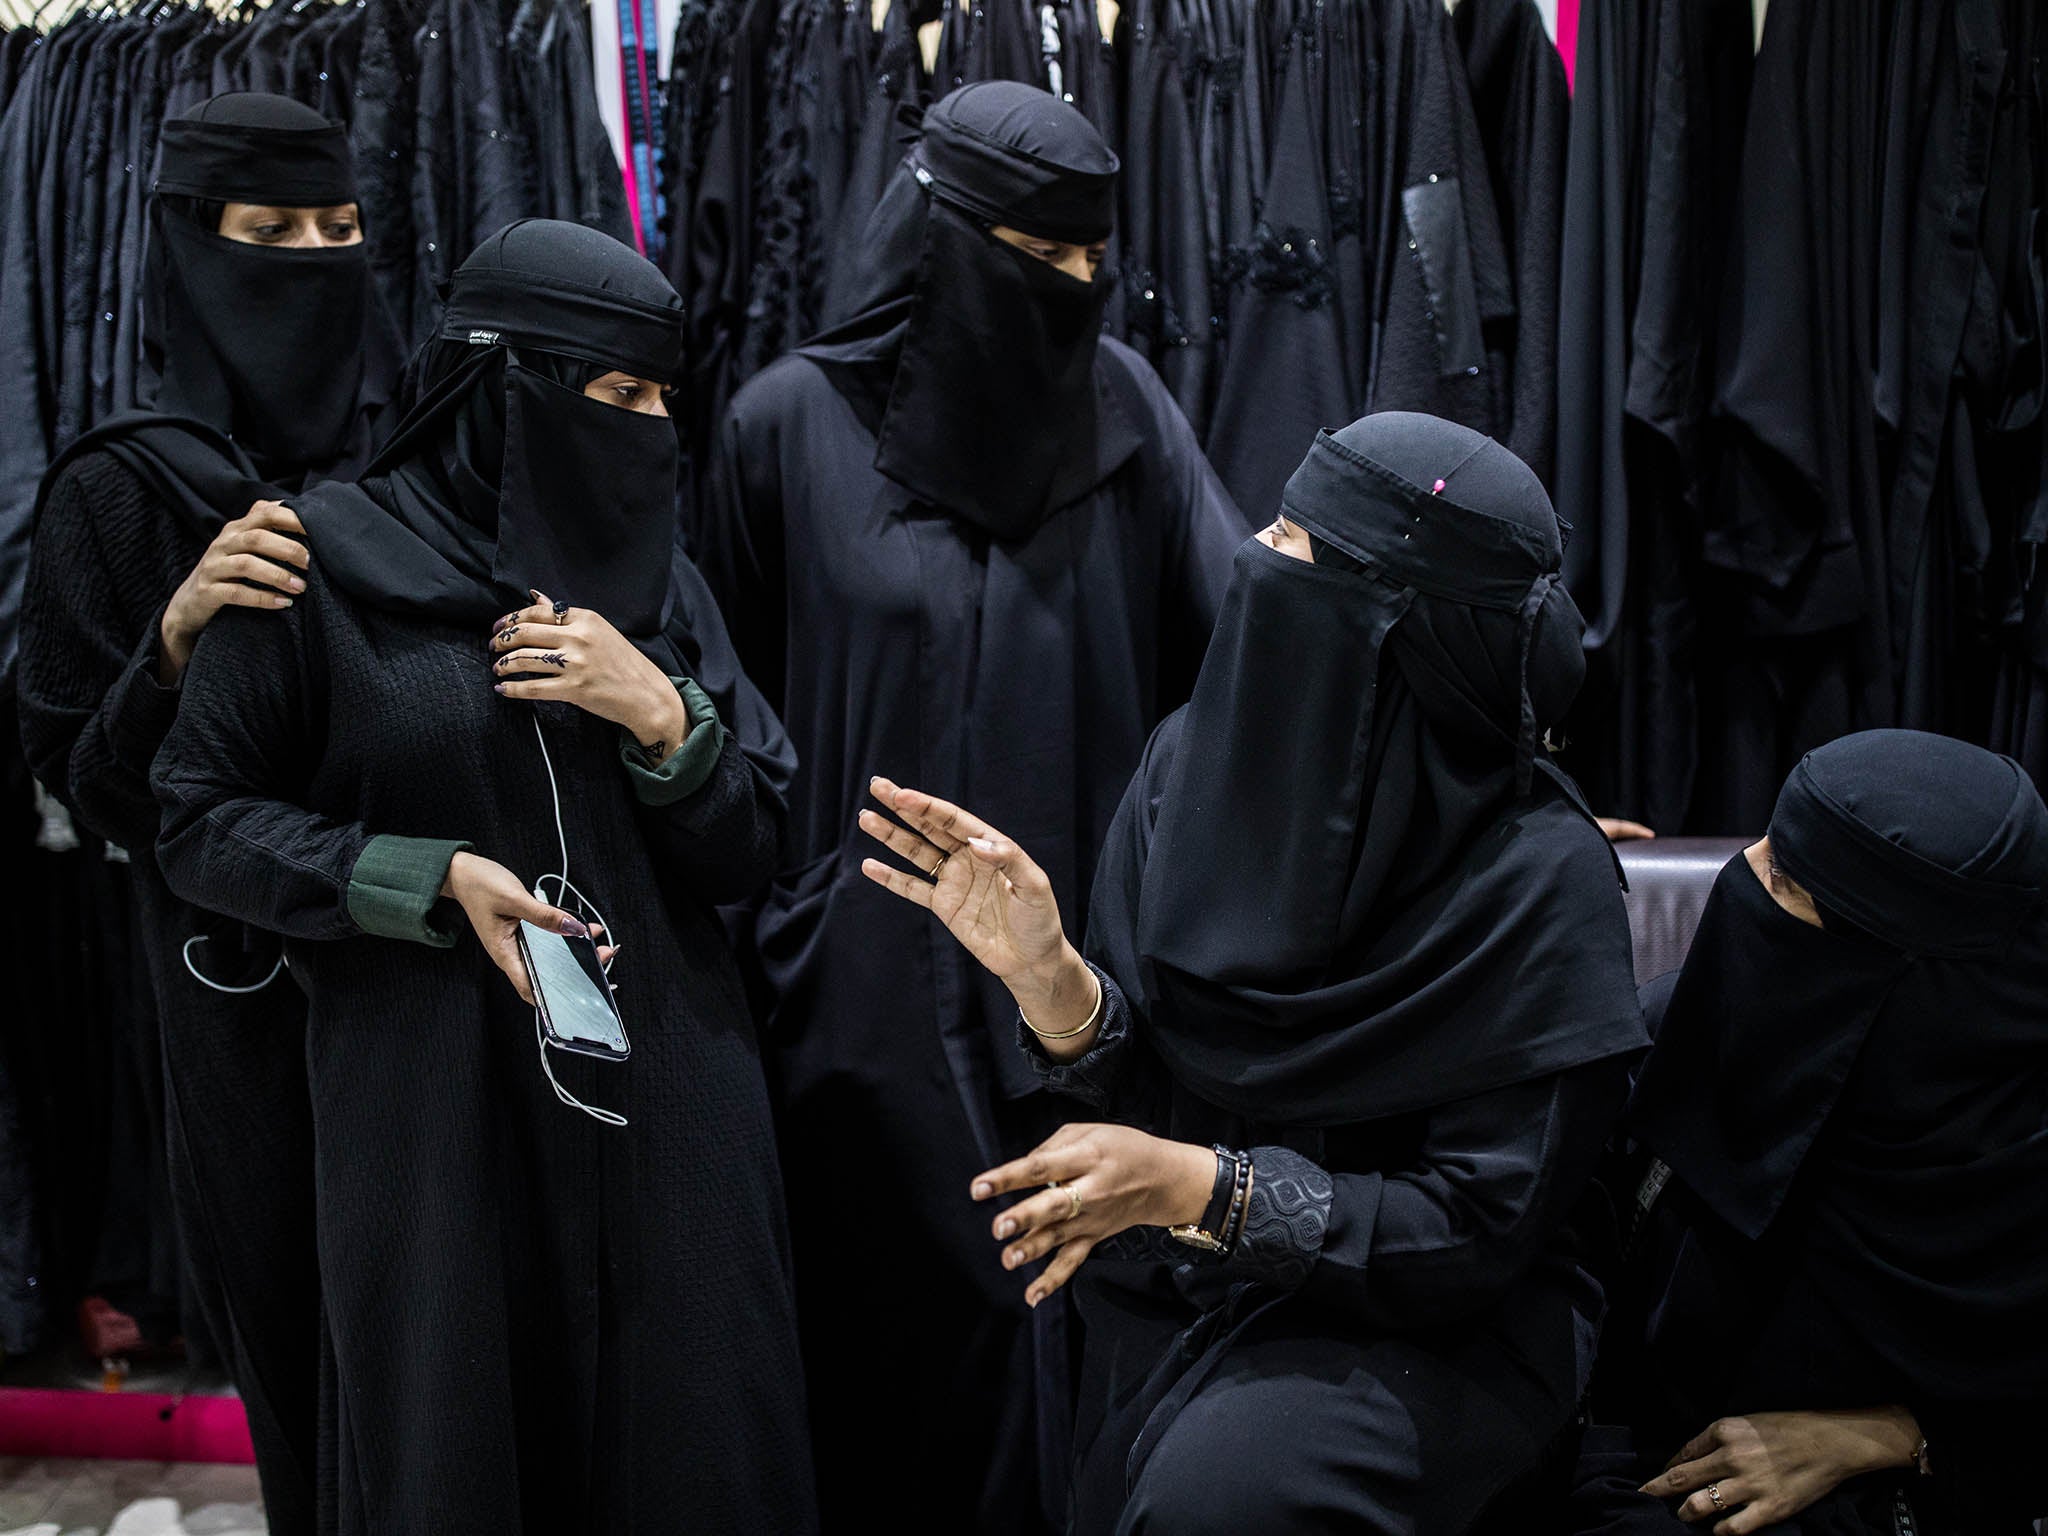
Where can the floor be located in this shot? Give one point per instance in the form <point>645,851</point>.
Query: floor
<point>127,1498</point>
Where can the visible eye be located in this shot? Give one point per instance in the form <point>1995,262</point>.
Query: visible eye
<point>1096,254</point>
<point>343,230</point>
<point>271,231</point>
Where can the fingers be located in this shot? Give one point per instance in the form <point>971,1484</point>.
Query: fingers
<point>1036,1217</point>
<point>901,841</point>
<point>944,823</point>
<point>1701,1470</point>
<point>538,613</point>
<point>274,546</point>
<point>1701,1505</point>
<point>912,888</point>
<point>1062,1269</point>
<point>529,659</point>
<point>1619,831</point>
<point>234,594</point>
<point>255,568</point>
<point>1053,1160</point>
<point>273,514</point>
<point>526,908</point>
<point>505,955</point>
<point>536,688</point>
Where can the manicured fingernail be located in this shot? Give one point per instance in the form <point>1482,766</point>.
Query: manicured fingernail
<point>1010,1260</point>
<point>497,687</point>
<point>574,929</point>
<point>281,602</point>
<point>1006,1229</point>
<point>983,1189</point>
<point>296,585</point>
<point>503,623</point>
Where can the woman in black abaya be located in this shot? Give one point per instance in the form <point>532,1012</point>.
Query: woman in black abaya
<point>959,531</point>
<point>1840,1315</point>
<point>540,1322</point>
<point>268,360</point>
<point>1356,1020</point>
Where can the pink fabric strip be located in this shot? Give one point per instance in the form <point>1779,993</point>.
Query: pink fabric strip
<point>1568,39</point>
<point>126,1426</point>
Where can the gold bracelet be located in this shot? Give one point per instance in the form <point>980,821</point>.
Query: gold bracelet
<point>1094,1016</point>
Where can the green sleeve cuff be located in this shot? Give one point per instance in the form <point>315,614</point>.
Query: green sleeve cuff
<point>396,885</point>
<point>684,773</point>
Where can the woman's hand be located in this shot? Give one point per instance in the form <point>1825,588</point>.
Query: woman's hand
<point>1109,1178</point>
<point>575,656</point>
<point>495,903</point>
<point>1619,831</point>
<point>1767,1467</point>
<point>252,563</point>
<point>991,897</point>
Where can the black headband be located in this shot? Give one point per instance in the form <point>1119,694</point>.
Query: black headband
<point>1006,153</point>
<point>504,307</point>
<point>1415,536</point>
<point>1893,892</point>
<point>280,167</point>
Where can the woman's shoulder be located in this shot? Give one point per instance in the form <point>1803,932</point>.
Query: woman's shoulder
<point>96,482</point>
<point>789,386</point>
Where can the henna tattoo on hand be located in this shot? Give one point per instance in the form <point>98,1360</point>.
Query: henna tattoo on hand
<point>555,659</point>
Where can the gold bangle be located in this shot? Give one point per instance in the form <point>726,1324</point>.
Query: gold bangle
<point>1094,1016</point>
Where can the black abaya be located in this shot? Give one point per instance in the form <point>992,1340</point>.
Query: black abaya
<point>1850,1119</point>
<point>893,637</point>
<point>537,1323</point>
<point>125,516</point>
<point>1007,633</point>
<point>1403,986</point>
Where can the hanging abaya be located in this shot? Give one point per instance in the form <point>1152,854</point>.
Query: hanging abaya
<point>539,1323</point>
<point>265,368</point>
<point>1401,983</point>
<point>1851,1117</point>
<point>963,542</point>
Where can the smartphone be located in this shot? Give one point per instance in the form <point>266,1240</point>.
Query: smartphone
<point>575,1001</point>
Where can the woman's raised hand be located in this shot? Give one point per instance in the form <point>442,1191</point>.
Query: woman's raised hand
<point>577,656</point>
<point>988,893</point>
<point>253,562</point>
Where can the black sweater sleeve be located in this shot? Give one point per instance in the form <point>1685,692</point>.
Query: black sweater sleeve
<point>719,818</point>
<point>92,711</point>
<point>237,757</point>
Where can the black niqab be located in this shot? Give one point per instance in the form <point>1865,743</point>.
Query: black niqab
<point>972,361</point>
<point>1890,1063</point>
<point>264,369</point>
<point>1356,900</point>
<point>504,476</point>
<point>264,343</point>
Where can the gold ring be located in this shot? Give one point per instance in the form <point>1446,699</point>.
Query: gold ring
<point>932,874</point>
<point>1073,1197</point>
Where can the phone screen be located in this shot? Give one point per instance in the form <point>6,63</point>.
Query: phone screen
<point>575,1001</point>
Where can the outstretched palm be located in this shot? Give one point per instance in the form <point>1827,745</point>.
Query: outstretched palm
<point>989,893</point>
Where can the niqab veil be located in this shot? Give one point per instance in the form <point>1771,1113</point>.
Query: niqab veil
<point>1346,909</point>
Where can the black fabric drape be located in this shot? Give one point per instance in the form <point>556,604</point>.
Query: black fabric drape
<point>1800,389</point>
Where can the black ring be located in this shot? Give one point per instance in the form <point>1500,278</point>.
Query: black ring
<point>561,609</point>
